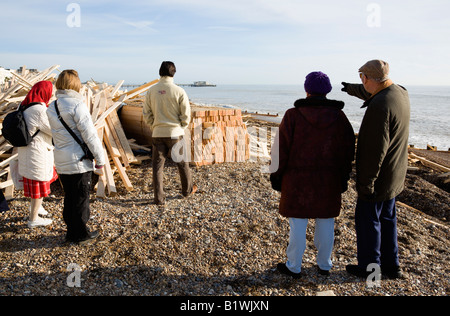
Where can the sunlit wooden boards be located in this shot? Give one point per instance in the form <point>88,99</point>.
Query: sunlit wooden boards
<point>218,136</point>
<point>213,135</point>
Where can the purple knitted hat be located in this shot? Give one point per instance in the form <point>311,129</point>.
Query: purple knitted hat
<point>318,83</point>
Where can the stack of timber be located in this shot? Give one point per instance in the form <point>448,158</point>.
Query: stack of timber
<point>103,100</point>
<point>214,135</point>
<point>217,136</point>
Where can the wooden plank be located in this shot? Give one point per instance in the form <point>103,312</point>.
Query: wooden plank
<point>101,106</point>
<point>9,191</point>
<point>46,74</point>
<point>122,173</point>
<point>24,71</point>
<point>117,87</point>
<point>16,99</point>
<point>95,105</point>
<point>423,215</point>
<point>136,146</point>
<point>110,184</point>
<point>114,121</point>
<point>6,161</point>
<point>4,146</point>
<point>110,142</point>
<point>88,96</point>
<point>142,158</point>
<point>8,93</point>
<point>445,175</point>
<point>101,119</point>
<point>6,184</point>
<point>114,135</point>
<point>138,90</point>
<point>101,186</point>
<point>429,163</point>
<point>25,83</point>
<point>100,132</point>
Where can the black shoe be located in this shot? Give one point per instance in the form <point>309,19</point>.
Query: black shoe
<point>392,273</point>
<point>281,267</point>
<point>357,271</point>
<point>91,236</point>
<point>323,272</point>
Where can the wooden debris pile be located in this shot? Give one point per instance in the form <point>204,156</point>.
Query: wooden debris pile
<point>102,100</point>
<point>439,161</point>
<point>12,93</point>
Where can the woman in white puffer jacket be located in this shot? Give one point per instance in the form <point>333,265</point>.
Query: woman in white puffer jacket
<point>75,173</point>
<point>36,160</point>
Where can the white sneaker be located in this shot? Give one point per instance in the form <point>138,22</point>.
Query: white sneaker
<point>41,211</point>
<point>39,222</point>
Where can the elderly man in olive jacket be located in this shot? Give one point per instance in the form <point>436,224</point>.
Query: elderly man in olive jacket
<point>381,165</point>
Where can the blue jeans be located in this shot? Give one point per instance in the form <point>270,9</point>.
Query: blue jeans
<point>376,233</point>
<point>323,240</point>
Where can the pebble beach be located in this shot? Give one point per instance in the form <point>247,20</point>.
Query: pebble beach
<point>225,240</point>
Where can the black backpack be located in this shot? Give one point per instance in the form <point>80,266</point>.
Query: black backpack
<point>15,129</point>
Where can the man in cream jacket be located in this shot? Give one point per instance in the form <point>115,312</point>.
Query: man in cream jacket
<point>168,112</point>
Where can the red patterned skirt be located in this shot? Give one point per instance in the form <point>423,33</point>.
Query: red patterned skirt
<point>38,189</point>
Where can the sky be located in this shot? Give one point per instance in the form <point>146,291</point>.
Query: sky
<point>229,41</point>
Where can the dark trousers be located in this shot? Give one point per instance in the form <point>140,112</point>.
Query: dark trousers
<point>76,204</point>
<point>161,149</point>
<point>3,203</point>
<point>376,233</point>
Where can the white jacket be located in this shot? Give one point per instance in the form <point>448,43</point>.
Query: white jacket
<point>68,152</point>
<point>167,109</point>
<point>36,159</point>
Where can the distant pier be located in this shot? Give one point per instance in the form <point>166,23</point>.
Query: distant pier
<point>197,84</point>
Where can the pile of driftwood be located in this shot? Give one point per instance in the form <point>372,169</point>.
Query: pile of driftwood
<point>439,161</point>
<point>103,100</point>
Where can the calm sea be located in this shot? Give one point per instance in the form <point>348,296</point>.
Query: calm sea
<point>430,106</point>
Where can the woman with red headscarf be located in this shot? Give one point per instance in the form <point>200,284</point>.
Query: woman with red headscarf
<point>36,162</point>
